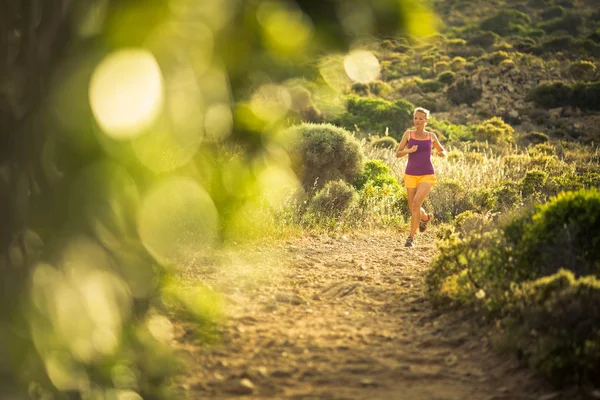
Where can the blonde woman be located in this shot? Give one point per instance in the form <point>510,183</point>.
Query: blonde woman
<point>419,176</point>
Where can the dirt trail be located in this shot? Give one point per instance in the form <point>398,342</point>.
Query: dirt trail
<point>344,318</point>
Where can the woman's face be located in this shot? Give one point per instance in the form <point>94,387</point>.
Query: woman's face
<point>420,119</point>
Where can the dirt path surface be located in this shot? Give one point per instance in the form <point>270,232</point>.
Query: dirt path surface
<point>343,318</point>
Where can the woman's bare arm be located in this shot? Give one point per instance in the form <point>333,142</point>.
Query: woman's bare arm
<point>438,146</point>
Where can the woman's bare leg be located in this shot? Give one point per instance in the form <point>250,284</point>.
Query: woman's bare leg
<point>417,201</point>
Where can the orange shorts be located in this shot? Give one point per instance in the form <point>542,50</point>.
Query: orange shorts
<point>412,181</point>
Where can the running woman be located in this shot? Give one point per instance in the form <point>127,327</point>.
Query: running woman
<point>419,176</point>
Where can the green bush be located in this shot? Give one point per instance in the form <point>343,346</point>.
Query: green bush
<point>563,233</point>
<point>551,94</point>
<point>533,183</point>
<point>333,199</point>
<point>506,196</point>
<point>446,77</point>
<point>582,70</point>
<point>553,12</point>
<point>378,174</point>
<point>558,43</point>
<point>463,91</point>
<point>449,199</point>
<point>441,66</point>
<point>535,138</point>
<point>523,44</point>
<point>497,57</point>
<point>484,39</point>
<point>386,142</point>
<point>584,95</point>
<point>379,88</point>
<point>430,85</point>
<point>374,115</point>
<point>321,153</point>
<point>569,23</point>
<point>458,63</point>
<point>507,22</point>
<point>554,323</point>
<point>494,130</point>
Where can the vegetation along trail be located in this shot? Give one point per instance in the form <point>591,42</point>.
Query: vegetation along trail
<point>343,318</point>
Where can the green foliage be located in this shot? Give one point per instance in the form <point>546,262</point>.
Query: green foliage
<point>321,153</point>
<point>570,23</point>
<point>559,94</point>
<point>553,12</point>
<point>378,174</point>
<point>451,131</point>
<point>497,57</point>
<point>523,44</point>
<point>582,70</point>
<point>554,323</point>
<point>506,22</point>
<point>333,199</point>
<point>563,233</point>
<point>375,115</point>
<point>484,39</point>
<point>441,66</point>
<point>446,77</point>
<point>494,130</point>
<point>430,85</point>
<point>463,91</point>
<point>385,142</point>
<point>506,196</point>
<point>533,183</point>
<point>535,138</point>
<point>449,199</point>
<point>458,63</point>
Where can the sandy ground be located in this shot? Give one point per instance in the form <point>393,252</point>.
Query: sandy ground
<point>343,317</point>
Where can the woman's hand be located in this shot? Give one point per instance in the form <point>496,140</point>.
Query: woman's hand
<point>412,149</point>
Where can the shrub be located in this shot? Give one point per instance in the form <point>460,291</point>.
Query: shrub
<point>585,95</point>
<point>360,88</point>
<point>430,85</point>
<point>494,130</point>
<point>552,12</point>
<point>321,153</point>
<point>484,39</point>
<point>448,200</point>
<point>463,91</point>
<point>535,138</point>
<point>523,44</point>
<point>379,88</point>
<point>533,183</point>
<point>458,63</point>
<point>497,57</point>
<point>378,174</point>
<point>506,196</point>
<point>551,94</point>
<point>507,64</point>
<point>441,66</point>
<point>569,23</point>
<point>554,323</point>
<point>386,142</point>
<point>375,115</point>
<point>506,22</point>
<point>558,43</point>
<point>563,233</point>
<point>333,199</point>
<point>446,77</point>
<point>457,42</point>
<point>582,70</point>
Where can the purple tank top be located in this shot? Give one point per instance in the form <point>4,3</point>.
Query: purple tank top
<point>419,162</point>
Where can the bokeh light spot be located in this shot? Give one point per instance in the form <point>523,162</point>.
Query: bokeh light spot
<point>126,93</point>
<point>362,66</point>
<point>271,102</point>
<point>161,328</point>
<point>177,221</point>
<point>218,121</point>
